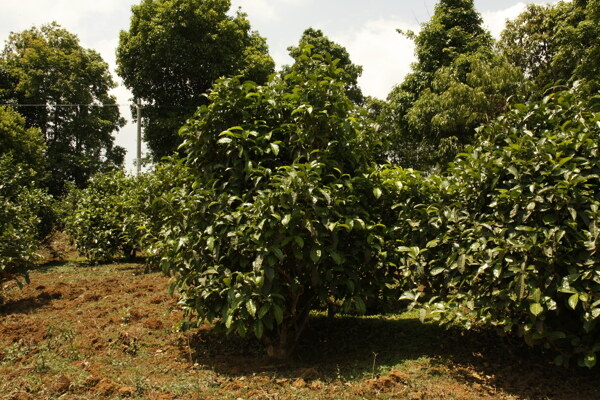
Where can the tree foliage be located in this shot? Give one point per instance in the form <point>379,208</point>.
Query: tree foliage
<point>173,52</point>
<point>44,68</point>
<point>457,83</point>
<point>26,146</point>
<point>555,44</point>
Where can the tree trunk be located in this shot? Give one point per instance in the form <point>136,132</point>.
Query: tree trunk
<point>282,343</point>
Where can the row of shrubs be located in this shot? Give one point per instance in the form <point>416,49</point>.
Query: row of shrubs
<point>506,238</point>
<point>277,211</point>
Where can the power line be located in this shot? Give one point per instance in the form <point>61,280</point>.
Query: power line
<point>65,105</point>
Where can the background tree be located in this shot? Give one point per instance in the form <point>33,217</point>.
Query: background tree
<point>453,52</point>
<point>174,51</point>
<point>555,44</point>
<point>26,146</point>
<point>46,67</point>
<point>472,91</point>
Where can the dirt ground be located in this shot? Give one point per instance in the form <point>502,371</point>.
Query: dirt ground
<point>106,332</point>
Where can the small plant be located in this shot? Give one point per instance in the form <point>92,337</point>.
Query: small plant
<point>61,340</point>
<point>16,351</point>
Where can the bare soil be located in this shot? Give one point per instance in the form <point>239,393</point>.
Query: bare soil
<point>107,332</point>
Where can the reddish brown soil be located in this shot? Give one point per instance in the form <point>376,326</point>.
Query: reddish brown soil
<point>106,332</point>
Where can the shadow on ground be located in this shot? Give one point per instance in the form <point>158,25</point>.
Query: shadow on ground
<point>350,348</point>
<point>26,305</point>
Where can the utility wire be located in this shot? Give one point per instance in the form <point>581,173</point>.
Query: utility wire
<point>65,105</point>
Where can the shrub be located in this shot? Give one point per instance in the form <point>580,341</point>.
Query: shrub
<point>101,219</point>
<point>517,242</point>
<point>22,206</point>
<point>158,196</point>
<point>277,221</point>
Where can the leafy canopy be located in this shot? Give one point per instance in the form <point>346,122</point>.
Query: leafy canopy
<point>25,146</point>
<point>320,44</point>
<point>46,67</point>
<point>555,44</point>
<point>456,84</point>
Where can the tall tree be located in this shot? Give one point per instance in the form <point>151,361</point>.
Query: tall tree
<point>62,89</point>
<point>175,50</point>
<point>556,44</point>
<point>457,83</point>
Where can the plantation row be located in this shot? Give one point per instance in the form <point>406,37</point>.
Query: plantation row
<point>284,213</point>
<point>288,196</point>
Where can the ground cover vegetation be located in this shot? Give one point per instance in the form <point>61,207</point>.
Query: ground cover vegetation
<point>471,194</point>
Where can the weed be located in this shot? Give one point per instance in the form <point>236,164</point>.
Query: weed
<point>16,351</point>
<point>62,340</point>
<point>126,316</point>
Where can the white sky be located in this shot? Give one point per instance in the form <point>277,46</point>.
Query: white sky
<point>366,29</point>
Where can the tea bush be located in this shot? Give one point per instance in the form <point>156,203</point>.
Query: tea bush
<point>517,242</point>
<point>101,219</point>
<point>278,221</point>
<point>22,207</point>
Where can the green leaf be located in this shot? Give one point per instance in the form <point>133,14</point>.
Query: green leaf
<point>251,307</point>
<point>536,309</point>
<point>269,274</point>
<point>377,193</point>
<point>360,305</point>
<point>257,264</point>
<point>573,300</point>
<point>210,243</point>
<point>264,309</point>
<point>299,241</point>
<point>286,219</point>
<point>278,253</point>
<point>315,255</point>
<point>589,360</point>
<point>274,148</point>
<point>564,160</point>
<point>259,329</point>
<point>278,314</point>
<point>336,258</point>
